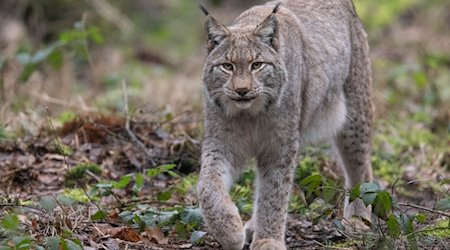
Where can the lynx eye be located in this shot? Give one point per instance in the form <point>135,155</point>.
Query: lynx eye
<point>257,65</point>
<point>227,66</point>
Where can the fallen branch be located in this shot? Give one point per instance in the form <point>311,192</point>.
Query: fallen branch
<point>424,209</point>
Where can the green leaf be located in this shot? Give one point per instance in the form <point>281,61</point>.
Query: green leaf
<point>311,179</point>
<point>123,182</point>
<point>99,215</point>
<point>421,218</point>
<point>56,59</point>
<point>152,172</point>
<point>10,221</point>
<point>22,242</point>
<point>173,174</point>
<point>368,192</point>
<point>48,203</point>
<point>355,192</point>
<point>197,236</point>
<point>328,190</point>
<point>138,182</point>
<point>167,167</point>
<point>104,185</point>
<point>393,226</point>
<point>70,245</point>
<point>369,187</point>
<point>405,222</point>
<point>181,229</point>
<point>311,183</point>
<point>192,217</point>
<point>382,205</point>
<point>443,204</point>
<point>52,242</point>
<point>41,55</point>
<point>163,196</point>
<point>27,71</point>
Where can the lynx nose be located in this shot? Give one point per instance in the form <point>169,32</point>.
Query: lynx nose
<point>242,91</point>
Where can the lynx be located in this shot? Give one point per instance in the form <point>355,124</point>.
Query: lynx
<point>283,75</point>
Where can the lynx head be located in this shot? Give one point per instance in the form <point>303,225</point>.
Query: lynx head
<point>244,71</point>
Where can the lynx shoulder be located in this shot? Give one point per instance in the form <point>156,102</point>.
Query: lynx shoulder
<point>283,75</point>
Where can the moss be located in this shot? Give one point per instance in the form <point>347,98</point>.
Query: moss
<point>440,229</point>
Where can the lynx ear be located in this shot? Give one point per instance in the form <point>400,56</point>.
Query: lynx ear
<point>216,31</point>
<point>267,31</point>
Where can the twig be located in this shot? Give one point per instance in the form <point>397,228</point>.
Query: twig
<point>49,99</point>
<point>133,137</point>
<point>57,141</point>
<point>424,208</point>
<point>24,206</point>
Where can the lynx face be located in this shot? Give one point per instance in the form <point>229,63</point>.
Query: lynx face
<point>244,71</point>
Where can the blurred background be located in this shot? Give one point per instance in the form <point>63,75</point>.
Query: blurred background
<point>73,56</point>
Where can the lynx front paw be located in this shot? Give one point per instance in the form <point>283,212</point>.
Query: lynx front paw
<point>249,228</point>
<point>233,241</point>
<point>267,244</point>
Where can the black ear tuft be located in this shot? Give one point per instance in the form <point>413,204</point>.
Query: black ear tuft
<point>204,10</point>
<point>277,6</point>
<point>267,30</point>
<point>216,32</point>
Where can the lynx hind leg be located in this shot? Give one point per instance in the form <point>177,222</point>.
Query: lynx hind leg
<point>354,158</point>
<point>354,139</point>
<point>220,214</point>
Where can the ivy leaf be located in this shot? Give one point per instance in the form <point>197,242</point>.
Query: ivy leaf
<point>443,204</point>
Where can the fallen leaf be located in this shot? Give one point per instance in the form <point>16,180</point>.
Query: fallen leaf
<point>156,235</point>
<point>123,233</point>
<point>185,246</point>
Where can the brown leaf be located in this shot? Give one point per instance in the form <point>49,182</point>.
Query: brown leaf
<point>129,234</point>
<point>156,235</point>
<point>113,216</point>
<point>123,233</point>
